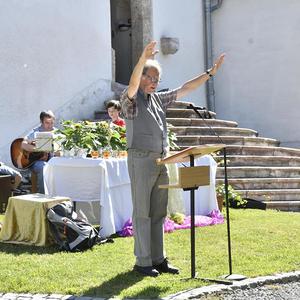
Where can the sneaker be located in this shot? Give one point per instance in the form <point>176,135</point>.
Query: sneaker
<point>147,271</point>
<point>165,267</point>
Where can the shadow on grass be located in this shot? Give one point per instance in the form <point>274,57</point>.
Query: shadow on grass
<point>120,282</point>
<point>18,249</point>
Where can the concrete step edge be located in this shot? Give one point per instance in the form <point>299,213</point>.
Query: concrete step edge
<point>259,179</point>
<point>229,137</point>
<point>249,147</point>
<point>197,120</point>
<point>219,130</point>
<point>260,168</point>
<point>258,156</point>
<point>257,149</point>
<point>271,191</point>
<point>292,202</point>
<point>213,127</point>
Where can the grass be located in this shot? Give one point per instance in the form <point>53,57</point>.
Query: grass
<point>263,243</point>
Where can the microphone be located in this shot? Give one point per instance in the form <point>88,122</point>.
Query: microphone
<point>196,110</point>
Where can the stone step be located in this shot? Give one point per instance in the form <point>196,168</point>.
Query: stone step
<point>201,123</point>
<point>181,104</point>
<point>262,183</point>
<point>191,140</point>
<point>272,195</point>
<point>284,205</point>
<point>187,113</point>
<point>260,160</point>
<point>262,150</point>
<point>259,172</point>
<point>222,131</point>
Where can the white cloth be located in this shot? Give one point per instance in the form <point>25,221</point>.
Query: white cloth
<point>88,180</point>
<point>205,196</point>
<point>107,182</point>
<point>175,198</point>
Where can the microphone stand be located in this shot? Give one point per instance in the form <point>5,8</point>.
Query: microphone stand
<point>230,276</point>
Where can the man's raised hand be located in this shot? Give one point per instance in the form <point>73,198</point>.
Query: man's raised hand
<point>150,51</point>
<point>217,64</point>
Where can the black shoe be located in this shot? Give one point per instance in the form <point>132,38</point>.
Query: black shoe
<point>148,271</point>
<point>165,267</point>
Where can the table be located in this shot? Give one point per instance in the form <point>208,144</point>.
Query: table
<point>101,184</point>
<point>106,183</point>
<point>25,219</point>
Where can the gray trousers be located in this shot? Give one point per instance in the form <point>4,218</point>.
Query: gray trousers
<point>149,205</point>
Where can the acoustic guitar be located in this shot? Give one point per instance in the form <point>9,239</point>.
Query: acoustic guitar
<point>23,159</point>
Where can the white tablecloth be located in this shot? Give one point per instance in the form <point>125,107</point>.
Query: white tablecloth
<point>106,181</point>
<point>94,181</point>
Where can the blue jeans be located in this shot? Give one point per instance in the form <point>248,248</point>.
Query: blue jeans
<point>38,168</point>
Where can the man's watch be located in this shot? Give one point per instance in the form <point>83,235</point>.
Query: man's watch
<point>208,73</point>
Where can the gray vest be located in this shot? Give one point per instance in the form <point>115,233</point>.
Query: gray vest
<point>148,130</point>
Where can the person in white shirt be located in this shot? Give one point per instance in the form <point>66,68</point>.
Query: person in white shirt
<point>47,120</point>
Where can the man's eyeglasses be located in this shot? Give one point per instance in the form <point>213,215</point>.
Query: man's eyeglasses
<point>152,79</point>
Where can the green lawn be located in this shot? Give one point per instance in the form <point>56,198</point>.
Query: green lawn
<point>263,243</point>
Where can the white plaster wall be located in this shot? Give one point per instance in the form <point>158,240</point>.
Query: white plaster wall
<point>52,54</point>
<point>183,20</point>
<point>259,83</point>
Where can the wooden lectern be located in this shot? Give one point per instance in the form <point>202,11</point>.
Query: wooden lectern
<point>190,178</point>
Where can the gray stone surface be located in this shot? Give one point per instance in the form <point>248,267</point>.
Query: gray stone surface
<point>169,45</point>
<point>280,286</point>
<point>287,285</point>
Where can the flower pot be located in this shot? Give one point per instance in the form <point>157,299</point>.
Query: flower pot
<point>220,200</point>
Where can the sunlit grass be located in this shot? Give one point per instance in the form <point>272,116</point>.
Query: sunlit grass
<point>263,243</point>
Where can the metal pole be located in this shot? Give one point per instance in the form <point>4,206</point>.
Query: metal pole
<point>227,211</point>
<point>192,204</point>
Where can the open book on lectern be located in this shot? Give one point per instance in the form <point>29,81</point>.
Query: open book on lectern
<point>184,155</point>
<point>190,177</point>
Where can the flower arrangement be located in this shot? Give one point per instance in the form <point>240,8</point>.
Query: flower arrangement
<point>178,218</point>
<point>90,136</point>
<point>172,138</point>
<point>234,198</point>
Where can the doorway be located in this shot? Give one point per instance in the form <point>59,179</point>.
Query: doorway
<point>121,37</point>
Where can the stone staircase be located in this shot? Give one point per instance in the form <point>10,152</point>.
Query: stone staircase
<point>257,166</point>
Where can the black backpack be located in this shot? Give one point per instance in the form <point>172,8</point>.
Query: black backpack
<point>70,232</point>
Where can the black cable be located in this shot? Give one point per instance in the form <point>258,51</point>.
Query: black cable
<point>191,106</point>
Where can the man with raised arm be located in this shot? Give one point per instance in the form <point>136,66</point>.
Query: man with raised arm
<point>144,110</point>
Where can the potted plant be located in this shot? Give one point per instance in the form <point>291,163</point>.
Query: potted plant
<point>89,136</point>
<point>172,138</point>
<point>235,199</point>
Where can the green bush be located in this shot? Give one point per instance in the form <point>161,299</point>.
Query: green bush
<point>90,135</point>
